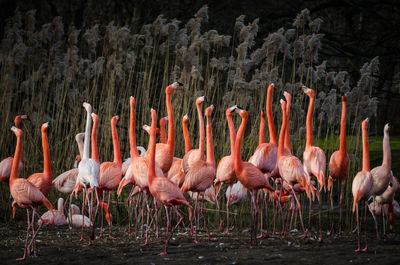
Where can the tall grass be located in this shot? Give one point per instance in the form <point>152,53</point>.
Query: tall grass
<point>48,71</point>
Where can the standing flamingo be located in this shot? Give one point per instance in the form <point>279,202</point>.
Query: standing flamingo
<point>339,163</point>
<point>25,194</point>
<point>88,169</point>
<point>249,175</point>
<point>44,180</point>
<point>265,156</point>
<point>162,189</point>
<point>363,184</point>
<point>226,170</point>
<point>165,152</point>
<point>6,163</point>
<point>201,175</point>
<point>111,172</point>
<point>382,174</point>
<point>314,158</point>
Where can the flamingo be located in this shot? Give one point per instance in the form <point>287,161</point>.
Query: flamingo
<point>163,134</point>
<point>111,172</point>
<point>161,188</point>
<point>363,184</point>
<point>287,148</point>
<point>249,175</point>
<point>88,169</point>
<point>339,163</point>
<point>226,170</point>
<point>201,175</point>
<point>25,194</point>
<point>127,162</point>
<point>65,182</point>
<point>6,163</point>
<point>382,174</point>
<point>314,158</point>
<point>387,198</point>
<point>165,152</point>
<point>290,168</point>
<point>76,219</point>
<point>44,180</point>
<point>265,156</point>
<point>54,217</point>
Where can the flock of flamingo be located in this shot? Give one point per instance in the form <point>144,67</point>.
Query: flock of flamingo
<point>172,181</point>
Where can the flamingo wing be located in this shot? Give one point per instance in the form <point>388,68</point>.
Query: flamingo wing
<point>66,181</point>
<point>110,175</point>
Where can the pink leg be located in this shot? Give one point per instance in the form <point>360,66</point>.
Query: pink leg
<point>319,215</point>
<point>203,213</point>
<point>172,231</point>
<point>299,209</point>
<point>27,235</point>
<point>365,227</point>
<point>109,214</point>
<point>102,217</point>
<point>195,220</point>
<point>340,207</point>
<point>227,211</point>
<point>358,230</point>
<point>332,225</point>
<point>83,211</point>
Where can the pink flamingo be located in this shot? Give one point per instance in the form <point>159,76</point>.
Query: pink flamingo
<point>162,189</point>
<point>339,163</point>
<point>249,175</point>
<point>6,163</point>
<point>290,168</point>
<point>165,152</point>
<point>201,175</point>
<point>265,156</point>
<point>226,170</point>
<point>287,148</point>
<point>163,134</point>
<point>44,180</point>
<point>76,219</point>
<point>25,194</point>
<point>111,172</point>
<point>54,217</point>
<point>363,185</point>
<point>382,174</point>
<point>314,158</point>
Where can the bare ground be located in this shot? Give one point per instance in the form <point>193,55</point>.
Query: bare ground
<point>63,246</point>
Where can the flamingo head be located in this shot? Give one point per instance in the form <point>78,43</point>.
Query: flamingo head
<point>344,97</point>
<point>146,128</point>
<point>163,121</point>
<point>309,92</point>
<point>230,110</point>
<point>18,119</point>
<point>200,100</point>
<point>209,110</point>
<point>243,114</point>
<point>171,88</point>
<point>18,132</point>
<point>114,120</point>
<point>283,105</point>
<point>365,123</point>
<point>287,96</point>
<point>95,117</point>
<point>271,87</point>
<point>45,127</point>
<point>80,137</point>
<point>186,118</point>
<point>132,101</point>
<point>387,127</point>
<point>88,107</point>
<point>262,113</point>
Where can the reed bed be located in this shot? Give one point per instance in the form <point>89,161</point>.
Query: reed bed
<point>48,71</point>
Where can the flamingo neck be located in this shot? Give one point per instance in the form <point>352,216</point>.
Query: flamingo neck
<point>210,148</point>
<point>238,144</point>
<point>46,154</point>
<point>342,147</point>
<point>171,125</point>
<point>117,151</point>
<point>366,165</point>
<point>152,148</point>
<point>201,127</point>
<point>287,133</point>
<point>232,133</point>
<point>95,151</point>
<point>188,146</point>
<point>261,135</point>
<point>271,126</point>
<point>309,139</point>
<point>132,132</point>
<point>387,158</point>
<point>17,158</point>
<point>282,134</point>
<point>80,145</point>
<point>86,143</point>
<point>163,134</point>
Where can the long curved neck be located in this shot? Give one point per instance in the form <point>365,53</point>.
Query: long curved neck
<point>186,136</point>
<point>232,133</point>
<point>238,144</point>
<point>152,147</point>
<point>261,135</point>
<point>287,133</point>
<point>117,151</point>
<point>342,147</point>
<point>271,126</point>
<point>80,145</point>
<point>46,154</point>
<point>309,140</point>
<point>387,158</point>
<point>17,158</point>
<point>201,127</point>
<point>210,148</point>
<point>95,151</point>
<point>366,166</point>
<point>132,132</point>
<point>282,134</point>
<point>171,124</point>
<point>86,144</point>
<point>163,134</point>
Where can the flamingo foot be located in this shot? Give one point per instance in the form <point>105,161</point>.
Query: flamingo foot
<point>196,241</point>
<point>364,249</point>
<point>101,235</point>
<point>212,239</point>
<point>23,258</point>
<point>357,250</point>
<point>263,235</point>
<point>111,237</point>
<point>163,253</point>
<point>227,232</point>
<point>144,244</point>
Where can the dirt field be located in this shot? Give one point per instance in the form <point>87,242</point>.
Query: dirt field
<point>63,246</point>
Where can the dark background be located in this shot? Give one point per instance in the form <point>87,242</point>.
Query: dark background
<point>355,31</point>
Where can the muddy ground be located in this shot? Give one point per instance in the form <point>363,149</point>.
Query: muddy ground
<point>59,245</point>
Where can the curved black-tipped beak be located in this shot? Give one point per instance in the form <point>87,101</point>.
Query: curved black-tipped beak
<point>205,99</point>
<point>179,83</point>
<point>262,110</point>
<point>239,107</point>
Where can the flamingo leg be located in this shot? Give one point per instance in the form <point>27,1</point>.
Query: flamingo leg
<point>365,227</point>
<point>282,215</point>
<point>266,214</point>
<point>375,221</point>
<point>299,209</point>
<point>27,235</point>
<point>331,210</point>
<point>358,230</point>
<point>109,214</point>
<point>83,211</point>
<point>195,219</point>
<point>320,240</point>
<point>204,214</point>
<point>156,215</point>
<point>102,217</point>
<point>129,204</point>
<point>255,218</point>
<point>168,221</point>
<point>227,210</point>
<point>69,212</point>
<point>172,231</point>
<point>32,243</point>
<point>340,207</point>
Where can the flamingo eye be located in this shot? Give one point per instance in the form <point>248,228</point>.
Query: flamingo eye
<point>390,184</point>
